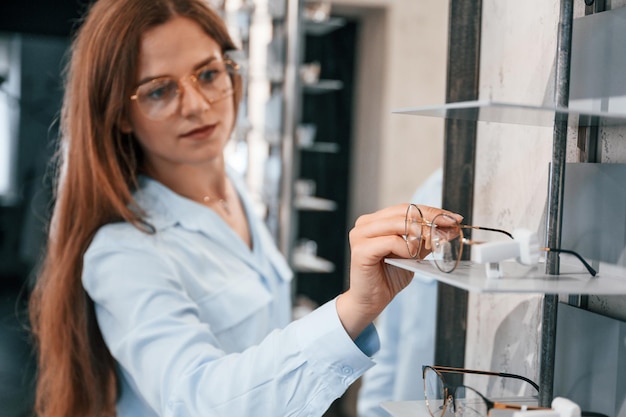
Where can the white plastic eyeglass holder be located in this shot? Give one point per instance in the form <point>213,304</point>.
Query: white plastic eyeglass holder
<point>524,248</point>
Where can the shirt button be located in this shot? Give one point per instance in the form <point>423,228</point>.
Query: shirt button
<point>346,370</point>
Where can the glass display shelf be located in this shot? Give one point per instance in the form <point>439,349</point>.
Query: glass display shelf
<point>323,147</point>
<point>406,408</point>
<point>418,408</point>
<point>518,278</point>
<point>304,262</point>
<point>500,112</point>
<point>322,86</point>
<point>323,27</point>
<point>312,203</point>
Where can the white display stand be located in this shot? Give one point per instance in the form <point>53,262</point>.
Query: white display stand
<point>517,278</point>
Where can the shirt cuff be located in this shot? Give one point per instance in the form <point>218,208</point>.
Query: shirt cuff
<point>328,346</point>
<point>368,341</point>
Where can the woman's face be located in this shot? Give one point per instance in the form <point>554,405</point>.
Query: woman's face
<point>194,131</point>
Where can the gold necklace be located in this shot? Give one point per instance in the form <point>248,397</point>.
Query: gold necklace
<point>207,200</point>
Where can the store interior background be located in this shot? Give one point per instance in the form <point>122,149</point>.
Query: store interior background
<point>400,61</point>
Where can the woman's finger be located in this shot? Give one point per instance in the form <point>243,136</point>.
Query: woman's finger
<point>386,226</point>
<point>392,220</point>
<point>430,213</point>
<point>387,212</point>
<point>370,251</point>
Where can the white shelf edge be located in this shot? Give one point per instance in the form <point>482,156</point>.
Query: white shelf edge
<point>415,408</point>
<point>312,263</point>
<point>314,204</point>
<point>517,278</point>
<point>418,408</point>
<point>322,147</point>
<point>323,27</point>
<point>322,86</point>
<point>501,112</point>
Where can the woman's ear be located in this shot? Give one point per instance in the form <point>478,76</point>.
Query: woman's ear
<point>125,125</point>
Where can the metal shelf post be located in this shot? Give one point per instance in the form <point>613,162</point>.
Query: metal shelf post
<point>555,200</point>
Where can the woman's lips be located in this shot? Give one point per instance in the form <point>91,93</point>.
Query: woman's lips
<point>203,132</point>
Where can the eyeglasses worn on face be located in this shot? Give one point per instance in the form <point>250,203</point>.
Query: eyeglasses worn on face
<point>160,98</point>
<point>443,235</point>
<point>444,398</point>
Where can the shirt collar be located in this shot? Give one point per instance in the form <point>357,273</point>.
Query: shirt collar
<point>164,208</point>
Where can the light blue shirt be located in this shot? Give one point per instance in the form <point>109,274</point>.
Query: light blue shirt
<point>200,325</point>
<point>407,333</point>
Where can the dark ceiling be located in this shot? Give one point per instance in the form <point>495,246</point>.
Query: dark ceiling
<point>41,17</point>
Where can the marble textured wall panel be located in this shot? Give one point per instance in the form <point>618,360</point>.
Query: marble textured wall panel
<point>517,66</point>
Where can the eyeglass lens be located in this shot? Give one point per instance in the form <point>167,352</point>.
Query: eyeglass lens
<point>456,394</point>
<point>434,393</point>
<point>464,402</point>
<point>160,98</point>
<point>446,240</point>
<point>469,403</point>
<point>413,230</point>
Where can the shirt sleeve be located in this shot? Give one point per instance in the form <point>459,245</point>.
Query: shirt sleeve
<point>378,383</point>
<point>407,337</point>
<point>173,360</point>
<point>407,332</point>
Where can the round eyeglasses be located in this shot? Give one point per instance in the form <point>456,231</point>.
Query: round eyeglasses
<point>443,236</point>
<point>159,98</point>
<point>446,399</point>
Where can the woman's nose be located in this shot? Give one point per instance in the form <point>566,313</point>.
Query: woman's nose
<point>192,101</point>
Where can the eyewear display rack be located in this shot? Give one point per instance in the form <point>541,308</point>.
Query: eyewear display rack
<point>322,176</point>
<point>315,148</point>
<point>305,190</point>
<point>552,277</point>
<point>282,143</point>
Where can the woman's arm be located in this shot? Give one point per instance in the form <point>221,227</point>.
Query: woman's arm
<point>172,359</point>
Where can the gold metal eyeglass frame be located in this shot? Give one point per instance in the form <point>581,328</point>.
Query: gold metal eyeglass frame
<point>450,389</point>
<point>231,68</point>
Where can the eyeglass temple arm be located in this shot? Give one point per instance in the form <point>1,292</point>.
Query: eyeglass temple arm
<point>571,252</point>
<point>453,370</point>
<point>591,270</point>
<point>465,226</point>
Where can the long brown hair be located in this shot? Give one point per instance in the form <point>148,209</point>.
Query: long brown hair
<point>97,168</point>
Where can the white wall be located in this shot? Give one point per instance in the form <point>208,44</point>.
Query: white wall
<point>401,63</point>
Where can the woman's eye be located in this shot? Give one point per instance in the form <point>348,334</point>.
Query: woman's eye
<point>161,91</point>
<point>208,75</point>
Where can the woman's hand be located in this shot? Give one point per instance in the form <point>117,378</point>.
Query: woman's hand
<point>374,283</point>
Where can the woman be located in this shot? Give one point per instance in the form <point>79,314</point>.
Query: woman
<point>161,294</point>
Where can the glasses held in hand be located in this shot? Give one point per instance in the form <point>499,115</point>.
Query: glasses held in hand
<point>444,237</point>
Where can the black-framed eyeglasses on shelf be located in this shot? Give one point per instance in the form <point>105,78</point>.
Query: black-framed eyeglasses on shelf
<point>445,398</point>
<point>443,235</point>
